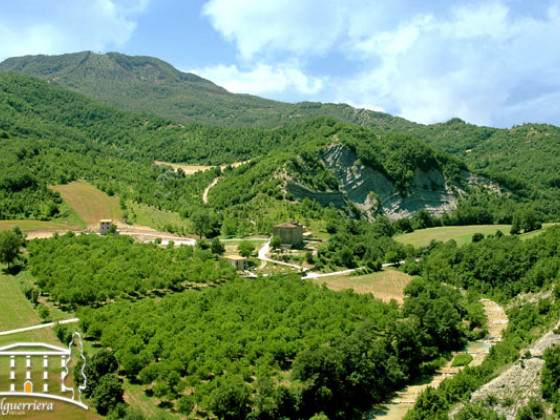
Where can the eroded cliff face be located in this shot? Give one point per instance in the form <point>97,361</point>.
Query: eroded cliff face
<point>372,191</point>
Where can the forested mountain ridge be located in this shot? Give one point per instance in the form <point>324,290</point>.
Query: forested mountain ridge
<point>151,85</point>
<point>352,168</point>
<point>523,158</point>
<point>50,135</point>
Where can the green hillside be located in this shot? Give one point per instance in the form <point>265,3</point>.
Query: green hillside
<point>50,136</point>
<point>523,158</point>
<point>151,85</point>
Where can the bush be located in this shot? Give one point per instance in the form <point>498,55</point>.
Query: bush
<point>461,360</point>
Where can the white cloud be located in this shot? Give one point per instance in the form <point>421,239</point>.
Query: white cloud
<point>66,26</point>
<point>486,62</point>
<point>263,79</point>
<point>257,26</point>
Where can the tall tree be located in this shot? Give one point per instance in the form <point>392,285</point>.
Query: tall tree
<point>9,247</point>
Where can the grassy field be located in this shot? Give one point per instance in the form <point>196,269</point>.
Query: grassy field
<point>15,310</point>
<point>90,203</point>
<point>537,232</point>
<point>157,219</point>
<point>386,285</point>
<point>461,234</point>
<point>187,169</point>
<point>37,225</point>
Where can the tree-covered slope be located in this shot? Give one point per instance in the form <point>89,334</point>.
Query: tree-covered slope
<point>152,85</point>
<point>523,157</point>
<point>50,135</point>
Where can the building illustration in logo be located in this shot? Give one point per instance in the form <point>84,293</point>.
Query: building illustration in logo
<point>40,370</point>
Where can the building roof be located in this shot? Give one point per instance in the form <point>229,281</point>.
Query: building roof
<point>288,225</point>
<point>235,257</point>
<point>106,221</point>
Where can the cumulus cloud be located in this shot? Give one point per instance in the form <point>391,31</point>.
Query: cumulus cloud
<point>487,62</point>
<point>264,79</point>
<point>55,27</point>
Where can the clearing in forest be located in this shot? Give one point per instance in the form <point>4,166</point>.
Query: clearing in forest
<point>386,285</point>
<point>461,234</point>
<point>191,169</point>
<point>91,204</point>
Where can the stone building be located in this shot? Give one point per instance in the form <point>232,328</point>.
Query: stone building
<point>290,233</point>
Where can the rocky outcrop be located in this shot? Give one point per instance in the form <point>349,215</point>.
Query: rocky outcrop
<point>371,190</point>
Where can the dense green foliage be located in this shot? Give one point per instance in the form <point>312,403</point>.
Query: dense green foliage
<point>149,84</point>
<point>503,267</point>
<point>522,158</point>
<point>10,243</point>
<point>280,348</point>
<point>88,269</point>
<point>551,376</point>
<point>359,244</point>
<point>526,323</point>
<point>500,265</point>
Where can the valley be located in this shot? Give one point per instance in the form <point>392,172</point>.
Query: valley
<point>267,260</point>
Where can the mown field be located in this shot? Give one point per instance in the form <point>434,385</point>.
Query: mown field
<point>15,310</point>
<point>386,285</point>
<point>90,203</point>
<point>461,234</point>
<point>163,220</point>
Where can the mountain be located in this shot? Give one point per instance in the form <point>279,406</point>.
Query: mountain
<point>151,85</point>
<point>50,135</point>
<point>523,158</point>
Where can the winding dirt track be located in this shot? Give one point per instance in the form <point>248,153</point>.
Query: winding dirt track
<point>205,193</point>
<point>405,399</point>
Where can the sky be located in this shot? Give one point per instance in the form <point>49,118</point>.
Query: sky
<point>488,62</point>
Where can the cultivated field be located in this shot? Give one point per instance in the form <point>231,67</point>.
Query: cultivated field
<point>187,169</point>
<point>461,234</point>
<point>386,285</point>
<point>191,169</point>
<point>15,310</point>
<point>37,225</point>
<point>158,219</point>
<point>90,203</point>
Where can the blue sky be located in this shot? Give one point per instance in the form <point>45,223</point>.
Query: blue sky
<point>489,62</point>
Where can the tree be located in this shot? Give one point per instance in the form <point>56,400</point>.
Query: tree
<point>44,312</point>
<point>217,247</point>
<point>230,400</point>
<point>201,222</point>
<point>245,248</point>
<point>9,247</point>
<point>551,375</point>
<point>101,364</point>
<point>108,393</point>
<point>276,243</point>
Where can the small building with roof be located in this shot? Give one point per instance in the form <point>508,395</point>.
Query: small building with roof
<point>239,262</point>
<point>290,233</point>
<point>105,226</point>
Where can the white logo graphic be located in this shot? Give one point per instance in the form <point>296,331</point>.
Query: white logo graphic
<point>37,377</point>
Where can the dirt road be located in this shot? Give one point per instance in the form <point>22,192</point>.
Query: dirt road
<point>405,399</point>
